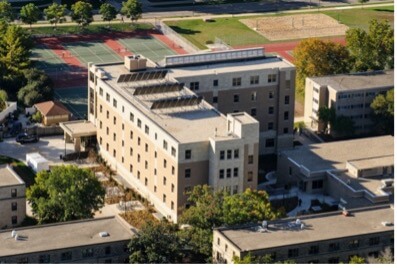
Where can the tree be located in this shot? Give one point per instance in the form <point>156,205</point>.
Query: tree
<point>65,193</point>
<point>38,87</point>
<point>356,260</point>
<point>314,57</point>
<point>383,112</point>
<point>372,50</point>
<point>6,12</point>
<point>386,257</point>
<point>156,243</point>
<point>132,9</point>
<point>343,126</point>
<point>55,13</point>
<point>326,116</point>
<point>362,2</point>
<point>30,14</point>
<point>108,12</point>
<point>266,259</point>
<point>82,13</point>
<point>3,99</point>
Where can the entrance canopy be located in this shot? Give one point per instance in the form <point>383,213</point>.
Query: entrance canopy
<point>78,129</point>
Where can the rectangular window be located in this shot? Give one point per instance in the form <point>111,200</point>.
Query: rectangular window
<point>107,114</point>
<point>187,173</point>
<point>14,219</point>
<point>317,184</point>
<point>114,103</point>
<point>271,78</point>
<point>235,172</point>
<point>172,187</point>
<point>146,129</point>
<point>254,80</point>
<point>131,117</point>
<point>293,252</point>
<point>236,153</point>
<point>253,111</point>
<point>228,173</point>
<point>229,154</point>
<point>165,163</point>
<point>139,140</point>
<point>14,206</point>
<point>139,175</point>
<point>354,244</point>
<point>286,100</point>
<point>285,130</point>
<point>172,205</point>
<point>236,98</point>
<point>146,164</point>
<point>237,81</point>
<point>92,77</point>
<point>250,159</point>
<point>173,170</point>
<point>114,136</point>
<point>221,174</point>
<point>139,123</point>
<point>131,135</point>
<point>215,83</point>
<point>66,256</point>
<point>164,198</point>
<point>146,181</point>
<point>188,154</point>
<point>44,258</point>
<point>253,96</point>
<point>374,241</point>
<point>87,253</point>
<point>222,155</point>
<point>333,247</point>
<point>214,99</point>
<point>131,168</point>
<point>146,147</point>
<point>173,151</point>
<point>107,97</point>
<point>101,91</point>
<point>286,115</point>
<point>100,108</point>
<point>194,86</point>
<point>114,153</point>
<point>314,249</point>
<point>14,192</point>
<point>287,83</point>
<point>271,110</point>
<point>271,94</point>
<point>107,131</point>
<point>270,126</point>
<point>165,145</point>
<point>139,158</point>
<point>250,176</point>
<point>108,250</point>
<point>269,143</point>
<point>164,181</point>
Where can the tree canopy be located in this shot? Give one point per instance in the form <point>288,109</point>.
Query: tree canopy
<point>132,9</point>
<point>356,260</point>
<point>82,13</point>
<point>3,99</point>
<point>383,112</point>
<point>6,12</point>
<point>108,12</point>
<point>55,13</point>
<point>66,193</point>
<point>30,14</point>
<point>38,87</point>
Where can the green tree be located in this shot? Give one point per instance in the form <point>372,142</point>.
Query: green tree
<point>55,13</point>
<point>156,243</point>
<point>108,12</point>
<point>383,112</point>
<point>372,50</point>
<point>6,12</point>
<point>3,99</point>
<point>326,116</point>
<point>314,57</point>
<point>198,244</point>
<point>38,87</point>
<point>356,260</point>
<point>82,13</point>
<point>30,14</point>
<point>66,193</point>
<point>343,126</point>
<point>385,257</point>
<point>132,9</point>
<point>266,259</point>
<point>362,2</point>
<point>37,117</point>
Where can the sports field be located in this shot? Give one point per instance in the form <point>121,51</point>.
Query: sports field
<point>45,59</point>
<point>75,99</point>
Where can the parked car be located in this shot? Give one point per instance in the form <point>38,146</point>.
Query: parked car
<point>26,138</point>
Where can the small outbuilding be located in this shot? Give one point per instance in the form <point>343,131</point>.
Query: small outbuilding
<point>53,112</point>
<point>37,162</point>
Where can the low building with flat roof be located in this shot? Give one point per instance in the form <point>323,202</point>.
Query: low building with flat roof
<point>321,238</point>
<point>102,240</point>
<point>357,172</point>
<point>12,198</point>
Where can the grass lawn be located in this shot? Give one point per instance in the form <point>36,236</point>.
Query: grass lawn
<point>25,172</point>
<point>235,33</point>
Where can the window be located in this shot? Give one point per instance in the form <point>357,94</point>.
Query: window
<point>250,176</point>
<point>107,97</point>
<point>139,158</point>
<point>92,77</point>
<point>100,108</point>
<point>269,143</point>
<point>145,181</point>
<point>139,141</point>
<point>271,78</point>
<point>173,151</point>
<point>314,249</point>
<point>270,126</point>
<point>155,154</point>
<point>235,189</point>
<point>228,173</point>
<point>333,247</point>
<point>215,83</point>
<point>293,252</point>
<point>107,131</point>
<point>286,100</point>
<point>226,247</point>
<point>237,81</point>
<point>107,147</point>
<point>139,123</point>
<point>172,205</point>
<point>131,117</point>
<point>146,147</point>
<point>215,99</point>
<point>235,172</point>
<point>253,111</point>
<point>146,165</point>
<point>222,155</point>
<point>146,129</point>
<point>286,115</point>
<point>101,91</point>
<point>14,219</point>
<point>87,253</point>
<point>114,103</point>
<point>254,80</point>
<point>172,188</point>
<point>14,192</point>
<point>229,154</point>
<point>122,109</point>
<point>236,98</point>
<point>66,256</point>
<point>250,159</point>
<point>287,83</point>
<point>164,181</point>
<point>108,250</point>
<point>14,206</point>
<point>188,173</point>
<point>114,153</point>
<point>165,145</point>
<point>164,198</point>
<point>122,126</point>
<point>271,110</point>
<point>194,86</point>
<point>221,173</point>
<point>354,244</point>
<point>155,171</point>
<point>131,168</point>
<point>139,175</point>
<point>374,241</point>
<point>236,153</point>
<point>173,170</point>
<point>44,258</point>
<point>285,130</point>
<point>155,189</point>
<point>131,151</point>
<point>188,154</point>
<point>271,94</point>
<point>100,140</point>
<point>131,135</point>
<point>114,136</point>
<point>219,242</point>
<point>165,163</point>
<point>317,184</point>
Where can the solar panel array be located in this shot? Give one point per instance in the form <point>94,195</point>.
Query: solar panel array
<point>214,56</point>
<point>142,76</point>
<point>163,88</point>
<point>176,102</point>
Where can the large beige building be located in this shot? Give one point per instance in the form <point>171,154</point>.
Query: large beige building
<point>164,139</point>
<point>321,238</point>
<point>350,94</point>
<point>102,240</point>
<point>12,198</point>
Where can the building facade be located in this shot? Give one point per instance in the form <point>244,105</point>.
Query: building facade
<point>164,139</point>
<point>12,198</point>
<point>349,94</point>
<point>102,240</point>
<point>322,238</point>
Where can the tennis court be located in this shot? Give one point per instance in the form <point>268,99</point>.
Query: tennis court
<point>95,52</point>
<point>147,46</point>
<point>75,99</point>
<point>45,59</point>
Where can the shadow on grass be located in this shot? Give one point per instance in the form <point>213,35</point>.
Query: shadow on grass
<point>184,31</point>
<point>384,10</point>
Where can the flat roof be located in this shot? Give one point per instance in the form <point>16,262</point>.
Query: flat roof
<point>374,162</point>
<point>37,157</point>
<point>318,228</point>
<point>372,185</point>
<point>8,177</point>
<point>358,81</point>
<point>47,237</point>
<point>79,128</point>
<point>334,155</point>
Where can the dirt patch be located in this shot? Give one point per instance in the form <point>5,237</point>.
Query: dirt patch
<point>296,26</point>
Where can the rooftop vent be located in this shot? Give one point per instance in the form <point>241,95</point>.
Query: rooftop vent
<point>103,234</point>
<point>13,233</point>
<point>387,223</point>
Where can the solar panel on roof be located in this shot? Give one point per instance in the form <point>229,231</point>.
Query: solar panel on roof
<point>142,76</point>
<point>176,102</point>
<point>163,88</point>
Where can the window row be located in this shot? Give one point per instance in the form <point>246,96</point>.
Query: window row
<point>228,173</point>
<point>229,154</point>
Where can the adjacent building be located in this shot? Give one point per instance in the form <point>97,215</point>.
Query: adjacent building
<point>356,172</point>
<point>321,238</point>
<point>102,240</point>
<point>53,112</point>
<point>12,198</point>
<point>164,139</point>
<point>349,94</point>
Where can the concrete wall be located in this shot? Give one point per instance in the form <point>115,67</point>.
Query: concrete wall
<point>12,106</point>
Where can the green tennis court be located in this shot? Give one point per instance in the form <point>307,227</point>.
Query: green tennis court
<point>147,46</point>
<point>75,99</point>
<point>45,59</point>
<point>94,52</point>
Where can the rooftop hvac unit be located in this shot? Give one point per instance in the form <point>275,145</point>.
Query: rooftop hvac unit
<point>387,223</point>
<point>103,234</point>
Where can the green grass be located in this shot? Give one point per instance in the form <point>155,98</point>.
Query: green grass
<point>91,29</point>
<point>235,33</point>
<point>25,172</point>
